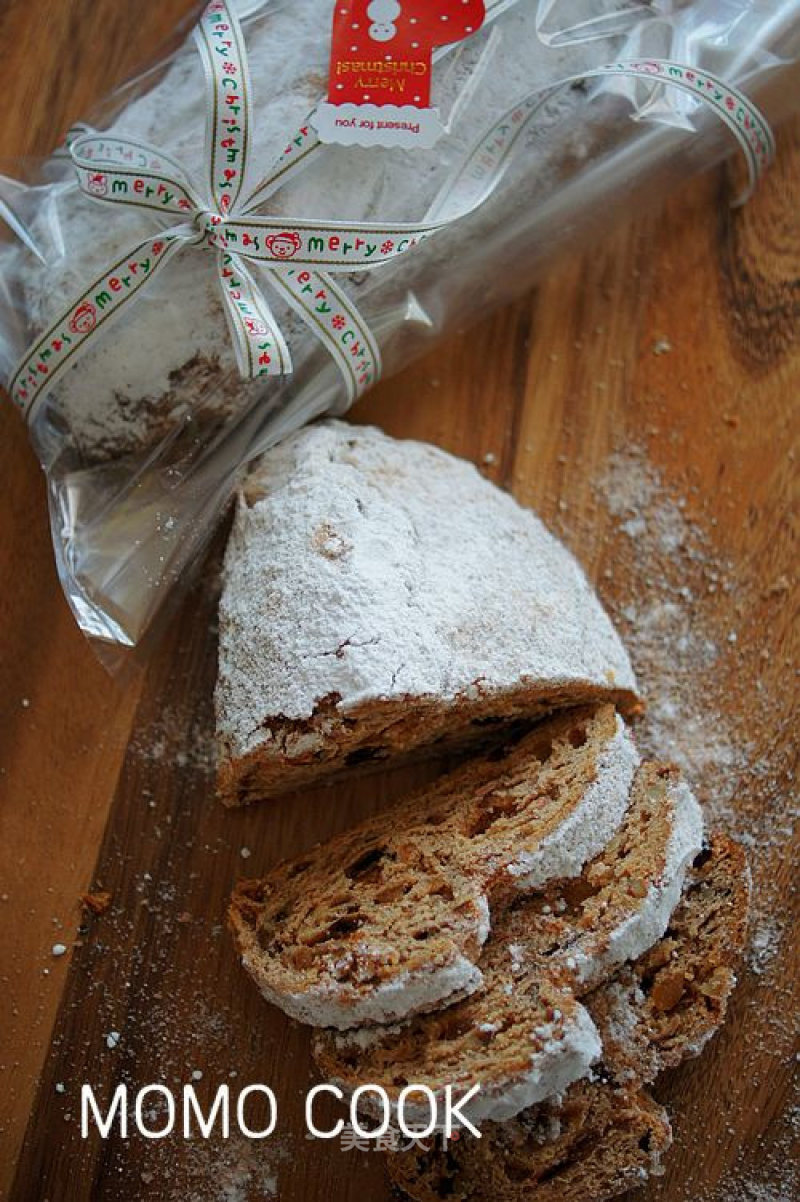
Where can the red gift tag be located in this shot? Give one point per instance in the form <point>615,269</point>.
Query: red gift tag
<point>379,89</point>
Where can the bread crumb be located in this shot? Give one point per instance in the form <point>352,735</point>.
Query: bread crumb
<point>97,902</point>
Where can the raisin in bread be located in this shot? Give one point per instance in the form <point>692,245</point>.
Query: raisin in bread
<point>389,919</point>
<point>522,1035</point>
<point>381,597</point>
<point>655,1013</point>
<point>664,1007</point>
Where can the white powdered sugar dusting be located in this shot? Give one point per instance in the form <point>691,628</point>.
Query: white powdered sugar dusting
<point>684,620</point>
<point>645,926</point>
<point>418,579</point>
<point>675,644</point>
<point>624,1002</point>
<point>707,631</point>
<point>327,1005</point>
<point>591,824</point>
<point>566,1055</point>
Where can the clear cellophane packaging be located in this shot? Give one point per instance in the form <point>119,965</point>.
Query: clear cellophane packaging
<point>145,434</point>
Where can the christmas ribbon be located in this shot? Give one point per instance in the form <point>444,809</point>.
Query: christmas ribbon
<point>298,255</point>
<point>122,171</point>
<point>476,178</point>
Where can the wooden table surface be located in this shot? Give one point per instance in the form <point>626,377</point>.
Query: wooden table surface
<point>645,400</point>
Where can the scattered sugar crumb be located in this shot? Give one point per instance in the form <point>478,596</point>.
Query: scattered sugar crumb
<point>234,1171</point>
<point>766,938</point>
<point>184,738</point>
<point>697,644</point>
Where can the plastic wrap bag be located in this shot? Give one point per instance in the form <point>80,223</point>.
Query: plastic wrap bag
<point>146,430</point>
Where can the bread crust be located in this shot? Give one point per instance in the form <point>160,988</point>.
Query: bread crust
<point>381,601</point>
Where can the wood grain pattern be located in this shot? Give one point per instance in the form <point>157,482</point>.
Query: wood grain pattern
<point>110,784</point>
<point>60,757</point>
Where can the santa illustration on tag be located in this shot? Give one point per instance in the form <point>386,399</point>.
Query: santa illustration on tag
<point>379,90</point>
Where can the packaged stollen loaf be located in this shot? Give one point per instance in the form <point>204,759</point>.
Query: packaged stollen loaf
<point>360,175</point>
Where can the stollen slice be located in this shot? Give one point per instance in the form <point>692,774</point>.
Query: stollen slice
<point>594,1144</point>
<point>389,919</point>
<point>523,1036</point>
<point>655,1013</point>
<point>381,599</point>
<point>664,1008</point>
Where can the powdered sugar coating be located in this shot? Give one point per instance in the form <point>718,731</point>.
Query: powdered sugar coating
<point>641,929</point>
<point>591,824</point>
<point>327,1006</point>
<point>569,1050</point>
<point>334,1004</point>
<point>562,1060</point>
<point>417,578</point>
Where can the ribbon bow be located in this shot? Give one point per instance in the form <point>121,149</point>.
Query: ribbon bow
<point>299,255</point>
<point>222,219</point>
